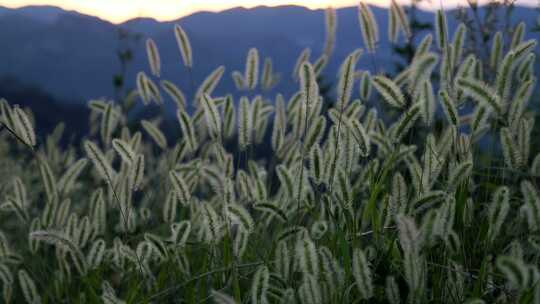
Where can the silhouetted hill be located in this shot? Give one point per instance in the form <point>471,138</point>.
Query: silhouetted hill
<point>48,111</point>
<point>45,13</point>
<point>73,56</point>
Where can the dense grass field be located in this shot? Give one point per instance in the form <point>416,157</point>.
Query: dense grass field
<point>420,187</point>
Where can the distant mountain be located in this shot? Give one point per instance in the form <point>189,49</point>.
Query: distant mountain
<point>48,111</point>
<point>46,14</point>
<point>73,56</point>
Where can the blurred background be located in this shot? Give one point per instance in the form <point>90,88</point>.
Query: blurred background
<point>58,54</point>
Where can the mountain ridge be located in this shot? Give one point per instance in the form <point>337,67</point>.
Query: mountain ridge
<point>45,12</point>
<point>74,56</point>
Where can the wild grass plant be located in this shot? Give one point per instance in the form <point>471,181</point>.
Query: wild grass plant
<point>352,206</point>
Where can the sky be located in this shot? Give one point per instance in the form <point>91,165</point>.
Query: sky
<point>121,10</point>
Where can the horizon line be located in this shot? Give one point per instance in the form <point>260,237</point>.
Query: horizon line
<point>428,8</point>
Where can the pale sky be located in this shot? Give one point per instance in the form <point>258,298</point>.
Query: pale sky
<point>121,10</point>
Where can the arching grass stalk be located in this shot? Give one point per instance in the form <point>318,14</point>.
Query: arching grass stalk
<point>119,205</point>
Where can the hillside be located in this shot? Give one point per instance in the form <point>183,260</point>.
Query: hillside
<point>73,56</point>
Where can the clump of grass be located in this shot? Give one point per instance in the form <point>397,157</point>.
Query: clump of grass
<point>351,206</point>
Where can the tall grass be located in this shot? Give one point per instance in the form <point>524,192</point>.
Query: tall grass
<point>352,206</point>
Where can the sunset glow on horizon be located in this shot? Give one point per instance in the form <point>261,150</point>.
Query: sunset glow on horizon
<point>121,10</point>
